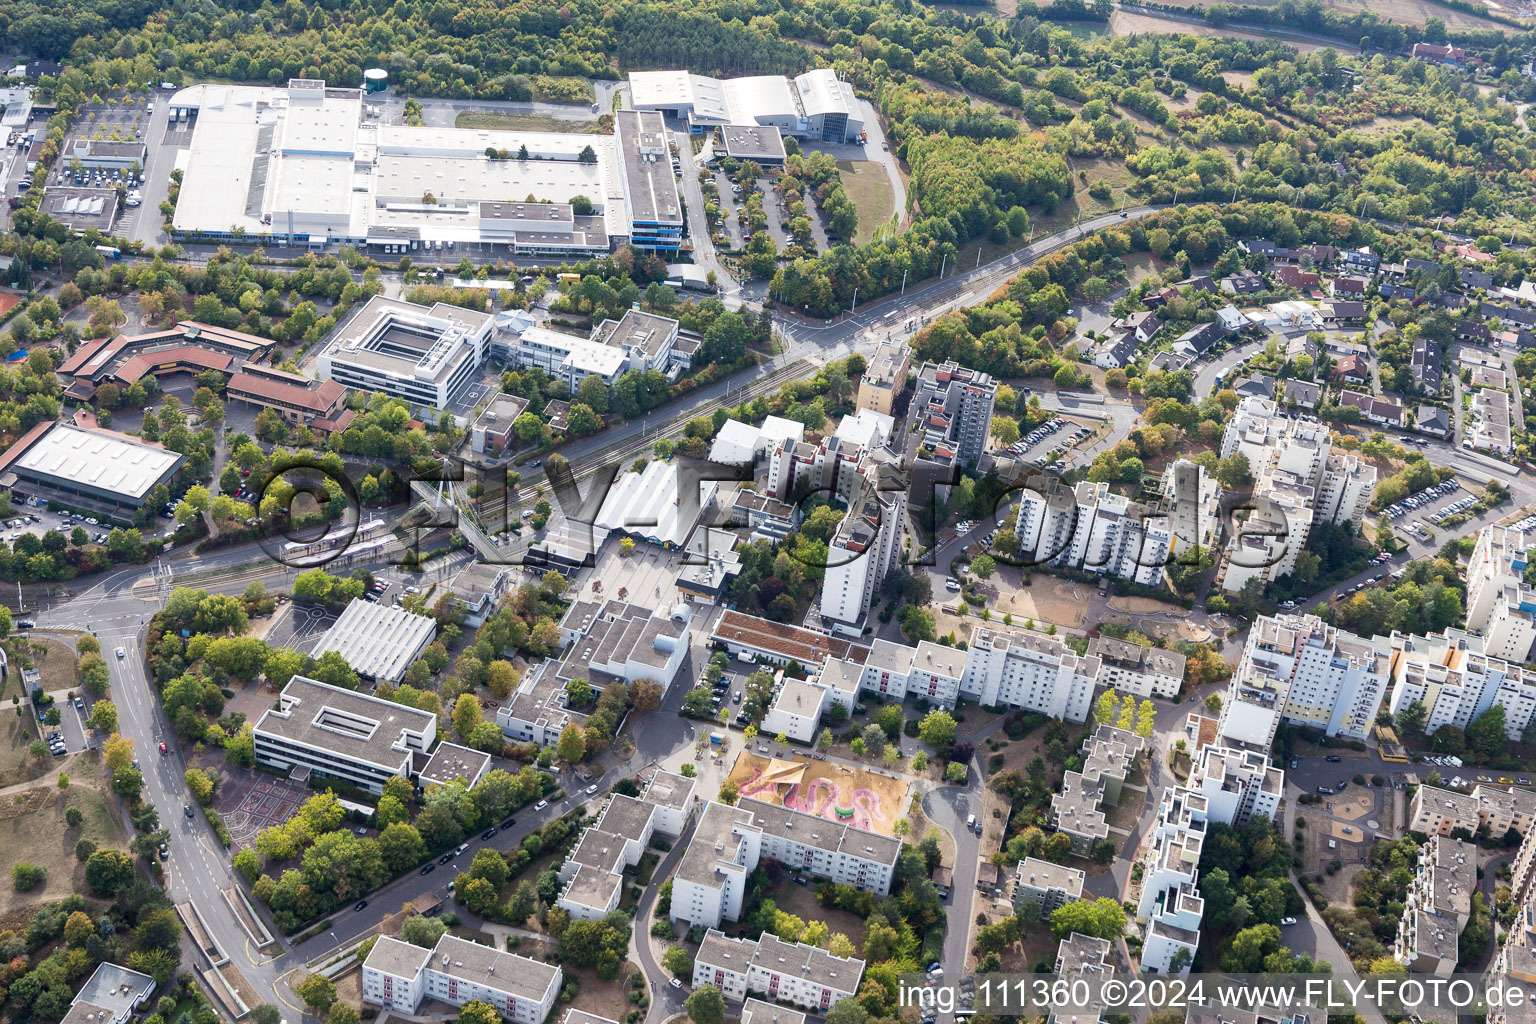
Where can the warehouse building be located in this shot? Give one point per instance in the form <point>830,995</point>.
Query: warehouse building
<point>816,105</point>
<point>86,468</point>
<point>310,164</point>
<point>378,641</point>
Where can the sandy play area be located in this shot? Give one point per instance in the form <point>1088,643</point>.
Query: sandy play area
<point>1046,599</point>
<point>849,795</point>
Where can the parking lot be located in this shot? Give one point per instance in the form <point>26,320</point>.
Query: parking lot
<point>1049,442</point>
<point>1430,501</point>
<point>38,521</point>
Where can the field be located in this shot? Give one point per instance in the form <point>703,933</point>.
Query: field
<point>1406,12</point>
<point>1047,599</point>
<point>523,122</point>
<point>1132,23</point>
<point>865,183</point>
<point>56,662</point>
<point>852,796</point>
<point>16,764</point>
<point>32,829</point>
<point>800,900</point>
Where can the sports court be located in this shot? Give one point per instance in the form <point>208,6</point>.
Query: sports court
<point>852,796</point>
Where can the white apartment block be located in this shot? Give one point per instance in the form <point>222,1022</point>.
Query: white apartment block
<point>591,878</point>
<point>928,671</point>
<point>796,710</point>
<point>423,356</point>
<point>1438,906</point>
<point>1046,883</point>
<point>1455,681</point>
<point>711,879</point>
<point>1300,668</point>
<point>1171,906</point>
<point>325,730</point>
<point>399,976</point>
<point>1077,955</point>
<point>1300,481</point>
<point>1077,808</point>
<point>636,341</point>
<point>865,547</point>
<point>794,973</point>
<point>1016,668</point>
<point>830,468</point>
<point>1092,529</point>
<point>1443,811</point>
<point>1237,784</point>
<point>1132,668</point>
<point>1193,506</point>
<point>1500,605</point>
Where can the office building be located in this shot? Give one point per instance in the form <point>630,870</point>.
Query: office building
<point>953,405</point>
<point>789,972</point>
<point>815,106</point>
<point>1049,884</point>
<point>885,376</point>
<point>300,401</point>
<point>592,877</point>
<point>491,433</point>
<point>341,734</point>
<point>636,341</point>
<point>738,442</point>
<point>652,206</point>
<point>1438,906</point>
<point>422,356</point>
<point>86,468</point>
<point>399,976</point>
<point>379,641</point>
<point>1132,668</point>
<point>1500,604</point>
<point>779,643</point>
<point>1299,668</point>
<point>451,763</point>
<point>711,879</point>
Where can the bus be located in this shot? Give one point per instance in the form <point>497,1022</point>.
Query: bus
<point>111,252</point>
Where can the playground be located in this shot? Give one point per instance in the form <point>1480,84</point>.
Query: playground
<point>853,796</point>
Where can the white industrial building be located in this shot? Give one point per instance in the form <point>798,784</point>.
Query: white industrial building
<point>379,641</point>
<point>730,841</point>
<point>737,442</point>
<point>328,731</point>
<point>399,976</point>
<point>423,356</point>
<point>1299,668</point>
<point>789,972</point>
<point>312,164</point>
<point>815,105</point>
<point>1500,604</point>
<point>86,468</point>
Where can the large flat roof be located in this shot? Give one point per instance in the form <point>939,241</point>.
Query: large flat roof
<point>98,459</point>
<point>646,159</point>
<point>343,722</point>
<point>376,640</point>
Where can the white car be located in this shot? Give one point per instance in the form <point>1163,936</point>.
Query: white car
<point>592,789</point>
<point>120,653</point>
<point>1287,921</point>
<point>541,805</point>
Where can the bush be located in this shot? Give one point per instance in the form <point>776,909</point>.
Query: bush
<point>26,877</point>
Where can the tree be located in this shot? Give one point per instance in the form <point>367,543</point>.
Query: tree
<point>729,791</point>
<point>984,566</point>
<point>317,992</point>
<point>200,784</point>
<point>477,1012</point>
<point>26,877</point>
<point>1104,918</point>
<point>1410,721</point>
<point>1486,738</point>
<point>421,931</point>
<point>103,716</point>
<point>572,746</point>
<point>1058,847</point>
<point>677,960</point>
<point>266,1013</point>
<point>705,1005</point>
<point>644,694</point>
<point>522,905</point>
<point>938,729</point>
<point>1247,950</point>
<point>108,871</point>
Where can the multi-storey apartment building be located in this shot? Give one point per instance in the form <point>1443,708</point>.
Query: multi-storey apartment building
<point>1193,504</point>
<point>1298,481</point>
<point>865,546</point>
<point>885,376</point>
<point>1299,668</point>
<point>1442,812</point>
<point>711,879</point>
<point>1049,884</point>
<point>1454,681</point>
<point>1082,955</point>
<point>1016,668</point>
<point>1132,668</point>
<point>1093,529</point>
<point>399,976</point>
<point>795,973</point>
<point>1500,604</point>
<point>953,404</point>
<point>1438,906</point>
<point>1077,808</point>
<point>1237,784</point>
<point>1171,905</point>
<point>592,875</point>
